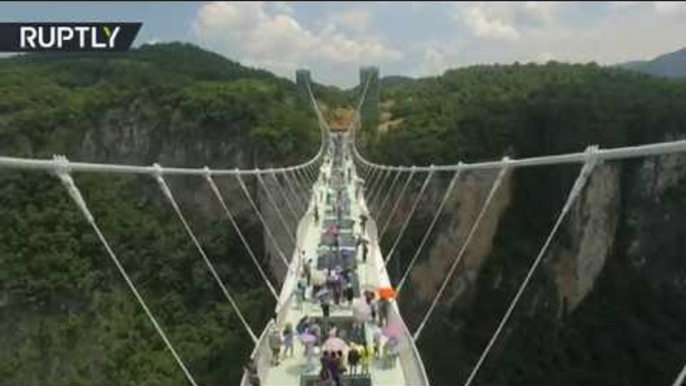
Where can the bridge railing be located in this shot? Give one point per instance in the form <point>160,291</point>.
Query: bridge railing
<point>410,360</point>
<point>261,355</point>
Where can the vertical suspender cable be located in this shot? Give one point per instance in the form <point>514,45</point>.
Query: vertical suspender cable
<point>397,204</point>
<point>496,185</point>
<point>267,229</point>
<point>379,192</point>
<point>279,214</point>
<point>286,199</point>
<point>62,171</point>
<point>388,194</point>
<point>409,216</point>
<point>438,213</point>
<point>586,171</point>
<point>168,194</point>
<point>232,220</point>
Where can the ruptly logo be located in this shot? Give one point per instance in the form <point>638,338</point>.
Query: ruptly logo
<point>27,37</point>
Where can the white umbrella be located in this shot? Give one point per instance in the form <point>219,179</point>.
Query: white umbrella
<point>318,277</point>
<point>335,344</point>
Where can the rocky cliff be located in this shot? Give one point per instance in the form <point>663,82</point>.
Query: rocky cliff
<point>625,217</point>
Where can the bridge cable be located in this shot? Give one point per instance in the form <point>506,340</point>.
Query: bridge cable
<point>279,214</point>
<point>680,378</point>
<point>61,169</point>
<point>297,198</point>
<point>389,256</point>
<point>298,188</point>
<point>307,175</point>
<point>591,161</point>
<point>388,194</point>
<point>369,180</point>
<point>377,186</point>
<point>267,229</point>
<point>301,184</point>
<point>379,192</point>
<point>438,213</point>
<point>288,189</point>
<point>484,208</point>
<point>168,194</point>
<point>286,199</point>
<point>244,241</point>
<point>395,206</point>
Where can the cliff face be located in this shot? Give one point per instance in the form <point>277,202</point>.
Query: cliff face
<point>625,227</point>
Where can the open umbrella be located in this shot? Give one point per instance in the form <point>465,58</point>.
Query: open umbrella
<point>323,292</point>
<point>335,344</point>
<point>387,293</point>
<point>307,338</point>
<point>392,331</point>
<point>318,277</point>
<point>361,310</point>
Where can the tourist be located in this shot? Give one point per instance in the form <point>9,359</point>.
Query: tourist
<point>316,330</point>
<point>365,358</point>
<point>288,336</point>
<point>339,366</point>
<point>300,291</point>
<point>326,306</point>
<point>349,292</point>
<point>363,222</point>
<point>384,306</point>
<point>353,358</point>
<point>307,268</point>
<point>309,355</point>
<point>325,375</point>
<point>377,344</point>
<point>391,352</point>
<point>251,370</point>
<point>275,345</point>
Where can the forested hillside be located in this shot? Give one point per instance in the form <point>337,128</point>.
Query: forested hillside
<point>66,316</point>
<point>483,112</point>
<point>670,65</point>
<point>605,306</point>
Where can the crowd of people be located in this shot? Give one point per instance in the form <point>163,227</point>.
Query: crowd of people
<point>335,287</point>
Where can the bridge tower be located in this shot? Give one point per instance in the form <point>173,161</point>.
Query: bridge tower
<point>303,77</point>
<point>370,108</point>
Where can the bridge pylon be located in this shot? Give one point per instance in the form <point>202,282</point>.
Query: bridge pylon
<point>303,79</point>
<point>370,108</point>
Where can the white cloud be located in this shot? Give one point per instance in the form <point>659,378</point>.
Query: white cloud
<point>433,62</point>
<point>540,11</point>
<point>670,8</point>
<point>259,35</point>
<point>488,27</point>
<point>355,20</point>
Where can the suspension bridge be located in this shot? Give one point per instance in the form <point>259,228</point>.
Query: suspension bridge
<point>343,205</point>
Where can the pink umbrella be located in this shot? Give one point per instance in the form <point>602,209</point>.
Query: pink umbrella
<point>335,344</point>
<point>393,331</point>
<point>307,338</point>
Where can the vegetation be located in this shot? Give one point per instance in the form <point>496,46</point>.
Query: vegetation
<point>625,331</point>
<point>485,112</point>
<point>66,315</point>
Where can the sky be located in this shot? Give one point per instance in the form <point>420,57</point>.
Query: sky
<point>409,38</point>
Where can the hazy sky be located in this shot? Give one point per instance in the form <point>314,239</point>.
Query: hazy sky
<point>411,38</point>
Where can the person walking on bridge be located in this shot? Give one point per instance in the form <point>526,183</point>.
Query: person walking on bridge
<point>363,222</point>
<point>275,345</point>
<point>251,370</point>
<point>288,336</point>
